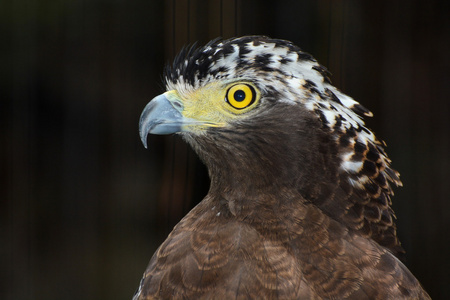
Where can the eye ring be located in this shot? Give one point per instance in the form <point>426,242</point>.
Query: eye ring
<point>241,95</point>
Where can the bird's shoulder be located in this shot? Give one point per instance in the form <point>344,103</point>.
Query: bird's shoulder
<point>299,253</point>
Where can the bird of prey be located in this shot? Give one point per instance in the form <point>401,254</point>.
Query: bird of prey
<point>299,201</point>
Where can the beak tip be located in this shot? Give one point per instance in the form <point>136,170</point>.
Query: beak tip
<point>143,135</point>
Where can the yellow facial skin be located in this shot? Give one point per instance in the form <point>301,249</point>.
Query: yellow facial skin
<point>215,104</point>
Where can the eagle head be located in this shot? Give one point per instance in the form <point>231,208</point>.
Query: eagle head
<point>264,117</point>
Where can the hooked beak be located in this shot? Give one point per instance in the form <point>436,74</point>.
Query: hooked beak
<point>160,117</point>
<point>164,115</point>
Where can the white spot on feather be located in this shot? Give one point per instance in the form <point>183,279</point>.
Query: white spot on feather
<point>330,116</point>
<point>352,166</point>
<point>349,165</point>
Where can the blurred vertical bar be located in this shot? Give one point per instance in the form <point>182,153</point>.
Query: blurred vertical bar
<point>21,153</point>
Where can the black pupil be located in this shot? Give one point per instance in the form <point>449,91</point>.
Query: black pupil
<point>239,95</point>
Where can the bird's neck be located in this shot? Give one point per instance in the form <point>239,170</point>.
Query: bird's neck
<point>248,169</point>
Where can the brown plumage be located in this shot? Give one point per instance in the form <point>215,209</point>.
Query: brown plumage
<point>299,204</point>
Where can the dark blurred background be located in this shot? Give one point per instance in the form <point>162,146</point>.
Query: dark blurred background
<point>83,205</point>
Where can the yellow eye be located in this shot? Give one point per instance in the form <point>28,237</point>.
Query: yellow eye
<point>241,95</point>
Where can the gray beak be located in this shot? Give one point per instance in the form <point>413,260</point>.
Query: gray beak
<point>159,117</point>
